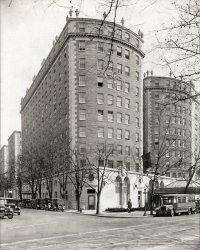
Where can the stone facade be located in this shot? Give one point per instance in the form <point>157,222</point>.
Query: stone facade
<point>169,124</point>
<point>88,92</point>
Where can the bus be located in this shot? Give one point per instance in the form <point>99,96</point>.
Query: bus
<point>175,204</point>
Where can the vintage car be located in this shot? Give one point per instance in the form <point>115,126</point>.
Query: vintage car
<point>14,204</point>
<point>175,204</point>
<point>54,204</point>
<point>197,206</point>
<point>5,210</point>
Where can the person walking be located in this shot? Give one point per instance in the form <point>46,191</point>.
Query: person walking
<point>129,205</point>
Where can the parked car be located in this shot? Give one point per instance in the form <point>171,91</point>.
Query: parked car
<point>5,210</point>
<point>14,204</point>
<point>175,204</point>
<point>54,204</point>
<point>197,206</point>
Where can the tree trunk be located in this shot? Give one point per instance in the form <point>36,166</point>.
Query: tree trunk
<point>152,198</point>
<point>98,204</point>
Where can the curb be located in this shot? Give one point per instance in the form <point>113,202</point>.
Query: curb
<point>112,216</point>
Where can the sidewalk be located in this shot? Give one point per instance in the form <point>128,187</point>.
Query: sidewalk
<point>135,214</point>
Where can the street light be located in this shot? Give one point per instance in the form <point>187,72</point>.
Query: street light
<point>145,192</point>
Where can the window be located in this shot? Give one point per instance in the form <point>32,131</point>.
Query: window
<point>167,119</point>
<point>119,33</point>
<point>82,148</point>
<point>100,98</point>
<point>137,107</point>
<point>100,132</point>
<point>127,54</point>
<point>183,144</point>
<point>137,59</point>
<point>82,45</point>
<point>110,66</point>
<point>119,101</point>
<point>127,150</point>
<point>156,130</point>
<point>82,98</point>
<point>174,131</point>
<point>110,133</point>
<point>179,143</point>
<point>127,103</point>
<point>82,132</point>
<point>110,99</point>
<point>174,143</point>
<point>137,121</point>
<point>127,119</point>
<point>127,37</point>
<point>127,134</point>
<point>137,91</point>
<point>119,133</point>
<point>137,137</point>
<point>127,71</point>
<point>110,163</point>
<point>119,84</point>
<point>82,63</point>
<point>82,114</point>
<point>179,131</point>
<point>100,47</point>
<point>81,27</point>
<point>173,119</point>
<point>156,119</point>
<point>156,106</point>
<point>100,64</point>
<point>82,80</point>
<point>110,116</point>
<point>119,68</point>
<point>100,81</point>
<point>119,149</point>
<point>119,51</point>
<point>110,83</point>
<point>137,151</point>
<point>127,87</point>
<point>184,121</point>
<point>119,117</point>
<point>156,95</point>
<point>137,75</point>
<point>100,115</point>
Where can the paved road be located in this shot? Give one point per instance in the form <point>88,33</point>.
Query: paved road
<point>56,230</point>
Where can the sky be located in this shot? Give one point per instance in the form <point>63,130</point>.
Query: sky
<point>28,28</point>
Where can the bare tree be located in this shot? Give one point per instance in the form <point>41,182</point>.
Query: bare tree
<point>100,175</point>
<point>180,46</point>
<point>164,156</point>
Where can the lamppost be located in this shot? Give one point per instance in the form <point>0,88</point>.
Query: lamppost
<point>145,192</point>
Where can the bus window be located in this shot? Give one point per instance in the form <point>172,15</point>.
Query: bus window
<point>175,200</point>
<point>183,199</point>
<point>179,199</point>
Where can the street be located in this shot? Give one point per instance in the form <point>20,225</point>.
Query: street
<point>35,229</point>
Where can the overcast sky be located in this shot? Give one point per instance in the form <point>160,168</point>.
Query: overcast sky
<point>28,28</point>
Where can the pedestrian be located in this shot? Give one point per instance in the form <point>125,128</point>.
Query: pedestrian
<point>129,205</point>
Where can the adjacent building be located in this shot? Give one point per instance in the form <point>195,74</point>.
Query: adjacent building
<point>14,150</point>
<point>4,160</point>
<point>171,125</point>
<point>88,92</point>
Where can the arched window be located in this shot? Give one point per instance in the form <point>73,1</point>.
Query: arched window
<point>118,189</point>
<point>156,184</point>
<point>162,185</point>
<point>126,190</point>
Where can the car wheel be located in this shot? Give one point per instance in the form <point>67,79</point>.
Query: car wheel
<point>10,216</point>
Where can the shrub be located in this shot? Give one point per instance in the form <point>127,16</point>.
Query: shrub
<point>118,210</point>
